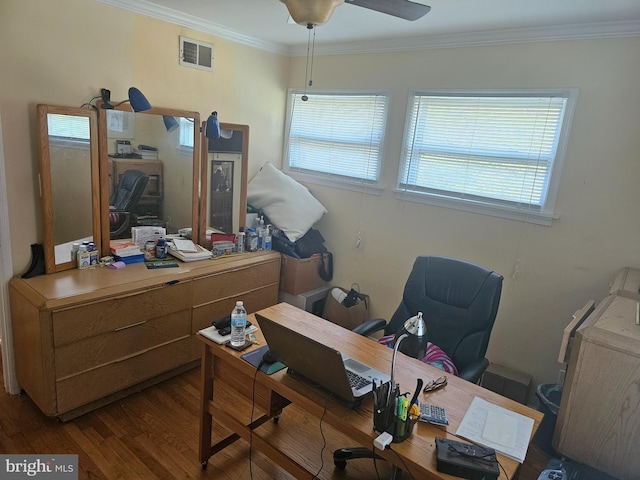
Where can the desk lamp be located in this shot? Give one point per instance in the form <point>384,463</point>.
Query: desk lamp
<point>414,335</point>
<point>138,101</point>
<point>212,127</point>
<point>170,123</point>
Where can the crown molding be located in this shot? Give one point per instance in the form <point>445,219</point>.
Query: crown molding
<point>581,31</point>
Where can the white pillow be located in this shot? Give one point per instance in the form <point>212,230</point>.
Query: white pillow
<point>287,203</point>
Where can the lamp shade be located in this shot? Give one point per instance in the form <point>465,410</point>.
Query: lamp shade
<point>212,127</point>
<point>170,123</point>
<point>311,12</point>
<point>415,344</point>
<point>139,102</point>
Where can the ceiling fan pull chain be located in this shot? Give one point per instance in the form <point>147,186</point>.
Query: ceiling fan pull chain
<point>313,52</point>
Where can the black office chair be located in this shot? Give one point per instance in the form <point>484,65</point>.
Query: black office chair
<point>124,201</point>
<point>459,302</point>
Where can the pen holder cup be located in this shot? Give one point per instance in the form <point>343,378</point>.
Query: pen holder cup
<point>385,420</point>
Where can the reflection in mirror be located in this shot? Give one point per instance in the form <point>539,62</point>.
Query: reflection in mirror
<point>225,172</point>
<point>69,182</point>
<point>152,170</point>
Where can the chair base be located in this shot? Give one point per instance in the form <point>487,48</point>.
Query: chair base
<point>341,455</point>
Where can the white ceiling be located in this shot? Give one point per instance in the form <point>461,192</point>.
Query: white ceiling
<point>263,23</point>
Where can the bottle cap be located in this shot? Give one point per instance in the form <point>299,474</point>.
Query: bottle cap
<point>239,303</point>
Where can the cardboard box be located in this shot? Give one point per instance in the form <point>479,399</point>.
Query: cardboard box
<point>300,275</point>
<point>509,383</point>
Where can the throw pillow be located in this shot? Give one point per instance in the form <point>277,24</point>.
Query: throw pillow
<point>287,203</point>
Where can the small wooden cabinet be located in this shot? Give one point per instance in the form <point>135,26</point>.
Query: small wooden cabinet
<point>599,419</point>
<point>83,338</point>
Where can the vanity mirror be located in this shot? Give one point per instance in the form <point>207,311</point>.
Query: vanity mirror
<point>69,182</point>
<point>223,205</point>
<point>160,145</point>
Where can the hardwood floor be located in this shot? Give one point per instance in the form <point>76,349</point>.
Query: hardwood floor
<point>154,434</point>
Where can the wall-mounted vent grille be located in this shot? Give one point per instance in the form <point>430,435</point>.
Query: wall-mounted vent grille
<point>196,54</point>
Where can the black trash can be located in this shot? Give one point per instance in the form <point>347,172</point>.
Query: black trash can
<point>549,395</point>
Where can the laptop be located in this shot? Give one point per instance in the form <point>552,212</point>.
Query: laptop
<point>347,378</point>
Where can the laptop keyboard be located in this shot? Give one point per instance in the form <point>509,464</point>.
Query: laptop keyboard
<point>356,381</point>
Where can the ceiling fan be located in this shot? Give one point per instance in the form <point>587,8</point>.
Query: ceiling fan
<point>317,12</point>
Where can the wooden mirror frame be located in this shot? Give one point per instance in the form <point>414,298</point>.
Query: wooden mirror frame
<point>46,184</point>
<point>104,162</point>
<point>205,175</point>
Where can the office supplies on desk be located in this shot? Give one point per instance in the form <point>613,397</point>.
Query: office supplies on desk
<point>212,333</point>
<point>319,363</point>
<point>495,427</point>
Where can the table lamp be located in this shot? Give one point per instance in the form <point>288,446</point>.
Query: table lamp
<point>413,336</point>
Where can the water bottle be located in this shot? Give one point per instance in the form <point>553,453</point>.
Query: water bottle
<point>238,324</point>
<point>267,238</point>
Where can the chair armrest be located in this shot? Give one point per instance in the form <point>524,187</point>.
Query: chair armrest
<point>474,371</point>
<point>367,328</point>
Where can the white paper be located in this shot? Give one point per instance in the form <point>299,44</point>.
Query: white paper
<point>212,334</point>
<point>185,245</point>
<point>496,427</point>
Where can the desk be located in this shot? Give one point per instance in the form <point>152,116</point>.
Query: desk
<point>226,392</point>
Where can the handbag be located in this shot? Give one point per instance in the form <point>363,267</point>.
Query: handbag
<point>312,243</point>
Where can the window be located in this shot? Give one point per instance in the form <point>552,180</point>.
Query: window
<point>336,137</point>
<point>68,128</point>
<point>498,153</point>
<point>185,133</point>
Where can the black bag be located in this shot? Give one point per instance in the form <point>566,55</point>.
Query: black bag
<point>312,243</point>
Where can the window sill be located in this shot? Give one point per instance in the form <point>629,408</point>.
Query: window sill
<point>371,189</point>
<point>538,218</point>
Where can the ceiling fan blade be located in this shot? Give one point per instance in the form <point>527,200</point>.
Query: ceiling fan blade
<point>398,8</point>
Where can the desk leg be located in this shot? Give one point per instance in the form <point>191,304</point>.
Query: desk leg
<point>206,395</point>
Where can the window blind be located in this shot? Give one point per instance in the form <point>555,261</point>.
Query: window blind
<point>494,149</point>
<point>186,133</point>
<point>337,135</point>
<point>68,127</point>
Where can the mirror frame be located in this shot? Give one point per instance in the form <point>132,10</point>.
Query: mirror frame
<point>204,164</point>
<point>46,187</point>
<point>104,170</point>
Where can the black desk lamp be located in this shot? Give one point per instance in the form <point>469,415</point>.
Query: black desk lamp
<point>413,336</point>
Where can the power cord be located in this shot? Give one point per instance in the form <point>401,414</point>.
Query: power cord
<point>324,440</point>
<point>253,406</point>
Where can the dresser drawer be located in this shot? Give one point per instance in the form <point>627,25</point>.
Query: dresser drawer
<point>91,385</point>
<point>77,357</point>
<point>234,282</point>
<point>91,319</point>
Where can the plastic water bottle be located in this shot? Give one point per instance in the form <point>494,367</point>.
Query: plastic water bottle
<point>267,238</point>
<point>238,324</point>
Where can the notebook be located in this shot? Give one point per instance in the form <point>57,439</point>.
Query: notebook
<point>347,378</point>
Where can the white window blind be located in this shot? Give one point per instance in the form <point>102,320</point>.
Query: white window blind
<point>337,135</point>
<point>185,138</point>
<point>494,149</point>
<point>68,127</point>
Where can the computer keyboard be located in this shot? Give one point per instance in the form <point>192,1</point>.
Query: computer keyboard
<point>356,381</point>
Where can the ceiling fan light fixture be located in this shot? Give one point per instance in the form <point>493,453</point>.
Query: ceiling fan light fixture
<point>311,12</point>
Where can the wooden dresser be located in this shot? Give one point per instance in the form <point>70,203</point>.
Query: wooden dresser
<point>599,418</point>
<point>84,338</point>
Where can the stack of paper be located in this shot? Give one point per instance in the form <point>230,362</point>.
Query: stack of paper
<point>201,253</point>
<point>140,235</point>
<point>495,427</point>
<point>126,251</point>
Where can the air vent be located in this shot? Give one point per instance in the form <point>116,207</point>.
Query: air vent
<point>196,54</point>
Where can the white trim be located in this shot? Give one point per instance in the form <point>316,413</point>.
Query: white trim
<point>477,207</point>
<point>8,364</point>
<point>618,29</point>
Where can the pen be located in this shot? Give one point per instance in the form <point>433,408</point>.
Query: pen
<point>405,407</point>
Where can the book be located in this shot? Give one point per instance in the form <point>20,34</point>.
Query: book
<point>124,248</point>
<point>161,264</point>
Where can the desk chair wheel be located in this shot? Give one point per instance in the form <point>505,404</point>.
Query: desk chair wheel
<point>276,419</point>
<point>204,464</point>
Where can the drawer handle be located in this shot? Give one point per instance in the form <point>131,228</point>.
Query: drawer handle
<point>129,326</point>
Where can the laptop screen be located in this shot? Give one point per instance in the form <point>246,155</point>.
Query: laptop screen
<point>304,356</point>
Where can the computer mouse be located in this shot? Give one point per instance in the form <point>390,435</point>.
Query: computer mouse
<point>270,356</point>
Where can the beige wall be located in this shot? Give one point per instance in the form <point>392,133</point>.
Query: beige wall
<point>63,52</point>
<point>559,267</point>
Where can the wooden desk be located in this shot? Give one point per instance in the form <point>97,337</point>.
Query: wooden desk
<point>227,381</point>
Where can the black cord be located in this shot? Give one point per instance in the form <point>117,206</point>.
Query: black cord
<point>375,465</point>
<point>324,440</point>
<point>253,406</point>
<point>406,468</point>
